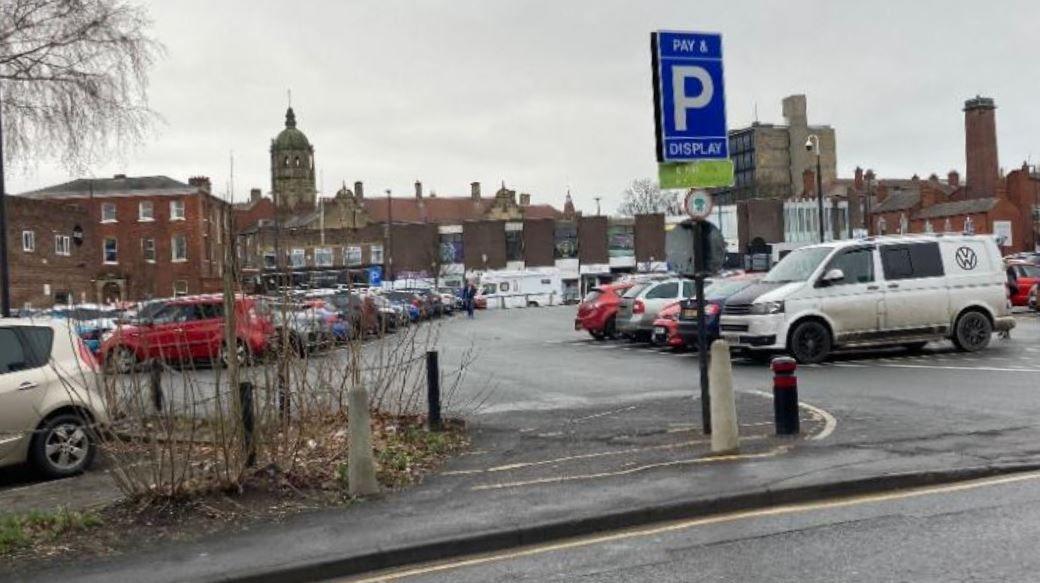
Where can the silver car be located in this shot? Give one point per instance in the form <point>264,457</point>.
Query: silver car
<point>50,410</point>
<point>641,303</point>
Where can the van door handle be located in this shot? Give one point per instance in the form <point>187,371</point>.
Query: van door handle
<point>872,288</point>
<point>893,285</point>
<point>26,385</point>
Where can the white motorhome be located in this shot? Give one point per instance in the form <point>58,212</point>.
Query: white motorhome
<point>897,290</point>
<point>517,289</point>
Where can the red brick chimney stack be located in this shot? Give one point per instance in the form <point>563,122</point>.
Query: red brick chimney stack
<point>980,147</point>
<point>953,178</point>
<point>859,178</point>
<point>200,182</point>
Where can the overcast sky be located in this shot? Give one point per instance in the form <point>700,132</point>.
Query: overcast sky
<point>551,94</point>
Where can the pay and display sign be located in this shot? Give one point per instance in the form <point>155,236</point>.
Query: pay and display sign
<point>689,96</point>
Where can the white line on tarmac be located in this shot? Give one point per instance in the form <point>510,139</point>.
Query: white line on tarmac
<point>829,422</point>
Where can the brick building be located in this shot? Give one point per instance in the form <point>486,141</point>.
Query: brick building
<point>152,236</point>
<point>52,252</point>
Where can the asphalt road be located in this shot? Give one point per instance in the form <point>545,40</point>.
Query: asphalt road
<point>974,531</point>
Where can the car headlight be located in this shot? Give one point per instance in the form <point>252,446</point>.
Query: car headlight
<point>762,308</point>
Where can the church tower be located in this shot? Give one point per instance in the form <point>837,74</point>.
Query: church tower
<point>292,169</point>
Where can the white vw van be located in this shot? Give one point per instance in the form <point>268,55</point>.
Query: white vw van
<point>901,290</point>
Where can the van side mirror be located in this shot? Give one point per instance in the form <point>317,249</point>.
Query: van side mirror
<point>832,277</point>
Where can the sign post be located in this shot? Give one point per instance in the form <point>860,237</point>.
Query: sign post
<point>693,151</point>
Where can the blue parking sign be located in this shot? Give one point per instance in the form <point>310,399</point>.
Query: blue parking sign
<point>689,96</point>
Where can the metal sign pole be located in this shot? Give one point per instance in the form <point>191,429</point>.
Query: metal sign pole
<point>700,247</point>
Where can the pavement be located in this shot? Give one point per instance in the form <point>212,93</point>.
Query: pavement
<point>579,436</point>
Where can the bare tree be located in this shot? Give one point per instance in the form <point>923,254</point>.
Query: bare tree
<point>643,196</point>
<point>73,79</point>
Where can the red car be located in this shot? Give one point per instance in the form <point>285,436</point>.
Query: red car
<point>666,326</point>
<point>1022,277</point>
<point>597,310</point>
<point>187,329</point>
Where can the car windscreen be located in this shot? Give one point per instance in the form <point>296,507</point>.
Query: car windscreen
<point>798,265</point>
<point>592,295</point>
<point>724,289</point>
<point>635,290</point>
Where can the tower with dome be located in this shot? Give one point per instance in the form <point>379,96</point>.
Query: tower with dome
<point>292,169</point>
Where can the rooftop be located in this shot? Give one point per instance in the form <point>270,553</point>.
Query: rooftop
<point>117,185</point>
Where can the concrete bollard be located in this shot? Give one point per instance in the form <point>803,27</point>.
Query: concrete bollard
<point>724,437</point>
<point>361,467</point>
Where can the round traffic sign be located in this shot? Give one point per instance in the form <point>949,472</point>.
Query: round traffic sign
<point>698,204</point>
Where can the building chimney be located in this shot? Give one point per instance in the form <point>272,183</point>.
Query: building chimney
<point>808,183</point>
<point>120,177</point>
<point>359,189</point>
<point>980,147</point>
<point>858,182</point>
<point>474,190</point>
<point>953,178</point>
<point>418,189</point>
<point>255,194</point>
<point>200,182</point>
<point>525,199</point>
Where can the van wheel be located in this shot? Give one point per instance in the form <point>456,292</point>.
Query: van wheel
<point>972,332</point>
<point>63,446</point>
<point>810,342</point>
<point>532,304</point>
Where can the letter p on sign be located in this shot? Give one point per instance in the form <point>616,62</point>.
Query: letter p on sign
<point>683,101</point>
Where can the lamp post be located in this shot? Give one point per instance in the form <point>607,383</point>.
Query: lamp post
<point>812,144</point>
<point>389,237</point>
<point>5,275</point>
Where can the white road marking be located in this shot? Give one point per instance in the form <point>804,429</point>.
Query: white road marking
<point>829,422</point>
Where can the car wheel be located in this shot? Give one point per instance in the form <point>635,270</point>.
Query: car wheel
<point>810,342</point>
<point>121,360</point>
<point>972,332</point>
<point>63,446</point>
<point>597,335</point>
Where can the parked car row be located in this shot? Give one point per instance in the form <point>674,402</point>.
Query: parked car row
<point>882,291</point>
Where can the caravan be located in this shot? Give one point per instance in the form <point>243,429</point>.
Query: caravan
<point>518,289</point>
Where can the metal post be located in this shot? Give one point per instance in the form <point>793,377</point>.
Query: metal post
<point>819,190</point>
<point>245,399</point>
<point>5,275</point>
<point>433,390</point>
<point>155,384</point>
<point>700,247</point>
<point>785,395</point>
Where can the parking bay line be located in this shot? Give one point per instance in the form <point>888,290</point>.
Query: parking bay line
<point>937,367</point>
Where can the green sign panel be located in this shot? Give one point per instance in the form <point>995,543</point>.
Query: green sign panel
<point>699,174</point>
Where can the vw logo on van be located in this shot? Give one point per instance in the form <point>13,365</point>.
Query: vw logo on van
<point>966,258</point>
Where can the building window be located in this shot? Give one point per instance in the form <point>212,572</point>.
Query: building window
<point>451,248</point>
<point>63,245</point>
<point>323,257</point>
<point>179,248</point>
<point>566,240</point>
<point>621,241</point>
<point>375,254</point>
<point>176,210</point>
<point>108,212</point>
<point>145,211</point>
<point>969,226</point>
<point>514,245</point>
<point>352,255</point>
<point>148,250</point>
<point>298,258</point>
<point>269,260</point>
<point>881,225</point>
<point>28,241</point>
<point>62,298</point>
<point>111,251</point>
<point>180,288</point>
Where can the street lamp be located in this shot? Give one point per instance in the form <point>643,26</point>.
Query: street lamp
<point>812,144</point>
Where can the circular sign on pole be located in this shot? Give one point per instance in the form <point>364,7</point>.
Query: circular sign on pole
<point>698,204</point>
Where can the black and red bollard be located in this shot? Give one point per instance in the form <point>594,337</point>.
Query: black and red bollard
<point>785,395</point>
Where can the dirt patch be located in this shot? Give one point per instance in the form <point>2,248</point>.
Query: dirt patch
<point>405,452</point>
